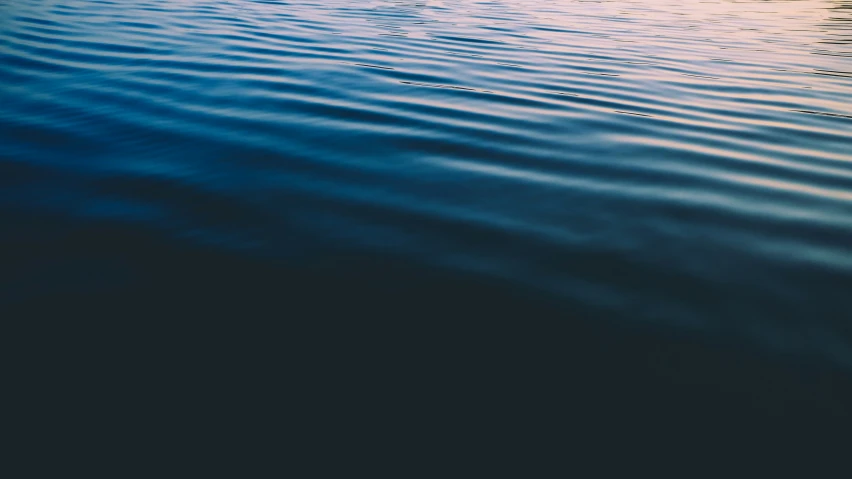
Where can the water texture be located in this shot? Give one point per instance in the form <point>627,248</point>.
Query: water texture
<point>685,166</point>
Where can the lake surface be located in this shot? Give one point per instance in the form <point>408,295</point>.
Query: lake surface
<point>679,167</point>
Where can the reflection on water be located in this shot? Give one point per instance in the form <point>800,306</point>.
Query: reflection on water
<point>677,166</point>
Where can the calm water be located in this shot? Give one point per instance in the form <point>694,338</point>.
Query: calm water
<point>682,167</point>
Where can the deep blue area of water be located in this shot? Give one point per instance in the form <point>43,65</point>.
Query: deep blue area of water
<point>668,183</point>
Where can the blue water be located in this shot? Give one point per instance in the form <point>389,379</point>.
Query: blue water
<point>674,169</point>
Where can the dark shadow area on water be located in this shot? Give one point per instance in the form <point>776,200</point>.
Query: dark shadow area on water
<point>206,339</point>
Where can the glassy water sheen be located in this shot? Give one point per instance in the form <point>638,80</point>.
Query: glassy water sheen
<point>684,167</point>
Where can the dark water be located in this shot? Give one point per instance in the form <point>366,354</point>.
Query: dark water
<point>669,182</point>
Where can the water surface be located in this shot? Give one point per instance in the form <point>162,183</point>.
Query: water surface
<point>676,166</point>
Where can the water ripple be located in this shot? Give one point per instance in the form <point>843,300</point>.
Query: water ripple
<point>636,157</point>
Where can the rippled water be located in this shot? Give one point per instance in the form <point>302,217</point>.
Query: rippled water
<point>685,166</point>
